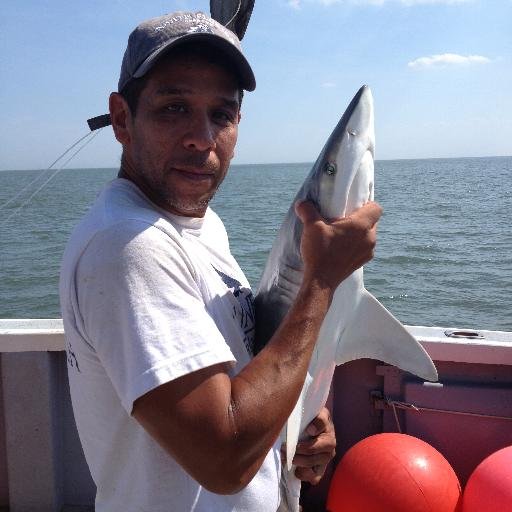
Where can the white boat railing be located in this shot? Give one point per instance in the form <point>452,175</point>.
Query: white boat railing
<point>442,343</point>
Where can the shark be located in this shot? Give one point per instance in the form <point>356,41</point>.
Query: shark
<point>356,325</point>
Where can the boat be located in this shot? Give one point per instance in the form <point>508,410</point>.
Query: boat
<point>466,415</point>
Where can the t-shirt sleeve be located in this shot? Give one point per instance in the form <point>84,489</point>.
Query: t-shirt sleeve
<point>142,310</point>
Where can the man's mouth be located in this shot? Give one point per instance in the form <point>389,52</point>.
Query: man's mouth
<point>195,174</point>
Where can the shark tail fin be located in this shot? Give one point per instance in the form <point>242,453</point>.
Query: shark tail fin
<point>290,491</point>
<point>376,334</point>
<point>293,424</point>
<point>290,484</point>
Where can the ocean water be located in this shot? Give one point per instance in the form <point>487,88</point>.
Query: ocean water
<point>444,254</point>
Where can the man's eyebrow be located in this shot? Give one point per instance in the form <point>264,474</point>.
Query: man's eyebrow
<point>230,103</point>
<point>171,90</point>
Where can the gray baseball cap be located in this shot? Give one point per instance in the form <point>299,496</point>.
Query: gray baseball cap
<point>152,38</point>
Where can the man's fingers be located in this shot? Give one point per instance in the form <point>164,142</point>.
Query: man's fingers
<point>321,444</point>
<point>310,475</point>
<point>309,461</point>
<point>313,455</point>
<point>368,215</point>
<point>321,423</point>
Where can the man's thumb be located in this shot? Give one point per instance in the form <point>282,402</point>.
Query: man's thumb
<point>307,212</point>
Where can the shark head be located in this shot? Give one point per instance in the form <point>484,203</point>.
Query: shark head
<point>340,181</point>
<point>342,177</point>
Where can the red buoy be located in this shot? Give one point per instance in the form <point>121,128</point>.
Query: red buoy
<point>393,473</point>
<point>489,488</point>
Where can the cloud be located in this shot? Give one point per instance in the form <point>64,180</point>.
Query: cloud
<point>424,2</point>
<point>328,85</point>
<point>445,60</point>
<point>297,4</point>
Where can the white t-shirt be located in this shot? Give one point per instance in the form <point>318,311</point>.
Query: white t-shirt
<point>147,297</point>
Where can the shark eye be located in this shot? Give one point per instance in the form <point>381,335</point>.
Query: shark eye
<point>330,168</point>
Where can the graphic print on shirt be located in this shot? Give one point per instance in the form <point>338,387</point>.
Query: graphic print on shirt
<point>71,357</point>
<point>245,312</point>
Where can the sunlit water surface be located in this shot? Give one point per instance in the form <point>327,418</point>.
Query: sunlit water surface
<point>444,255</point>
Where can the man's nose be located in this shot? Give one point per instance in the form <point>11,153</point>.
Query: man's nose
<point>200,135</point>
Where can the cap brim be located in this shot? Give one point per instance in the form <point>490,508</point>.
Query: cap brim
<point>242,66</point>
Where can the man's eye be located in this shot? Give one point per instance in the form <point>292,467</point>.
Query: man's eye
<point>223,116</point>
<point>176,108</point>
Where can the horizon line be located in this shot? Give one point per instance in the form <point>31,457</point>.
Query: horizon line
<point>277,163</point>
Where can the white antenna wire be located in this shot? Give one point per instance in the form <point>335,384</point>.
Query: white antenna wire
<point>41,174</point>
<point>70,148</point>
<point>54,173</point>
<point>236,13</point>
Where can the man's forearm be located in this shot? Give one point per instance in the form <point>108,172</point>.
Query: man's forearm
<point>220,429</point>
<point>264,393</point>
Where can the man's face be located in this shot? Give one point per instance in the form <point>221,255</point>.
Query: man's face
<point>182,138</point>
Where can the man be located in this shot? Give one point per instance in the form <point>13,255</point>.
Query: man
<point>173,411</point>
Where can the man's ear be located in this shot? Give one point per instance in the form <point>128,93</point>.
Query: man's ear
<point>120,116</point>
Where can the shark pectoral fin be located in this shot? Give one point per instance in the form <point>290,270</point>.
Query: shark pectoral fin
<point>373,332</point>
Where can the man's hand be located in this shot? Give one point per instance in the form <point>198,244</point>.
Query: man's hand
<point>332,249</point>
<point>313,455</point>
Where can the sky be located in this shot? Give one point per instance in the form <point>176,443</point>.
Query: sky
<point>440,72</point>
